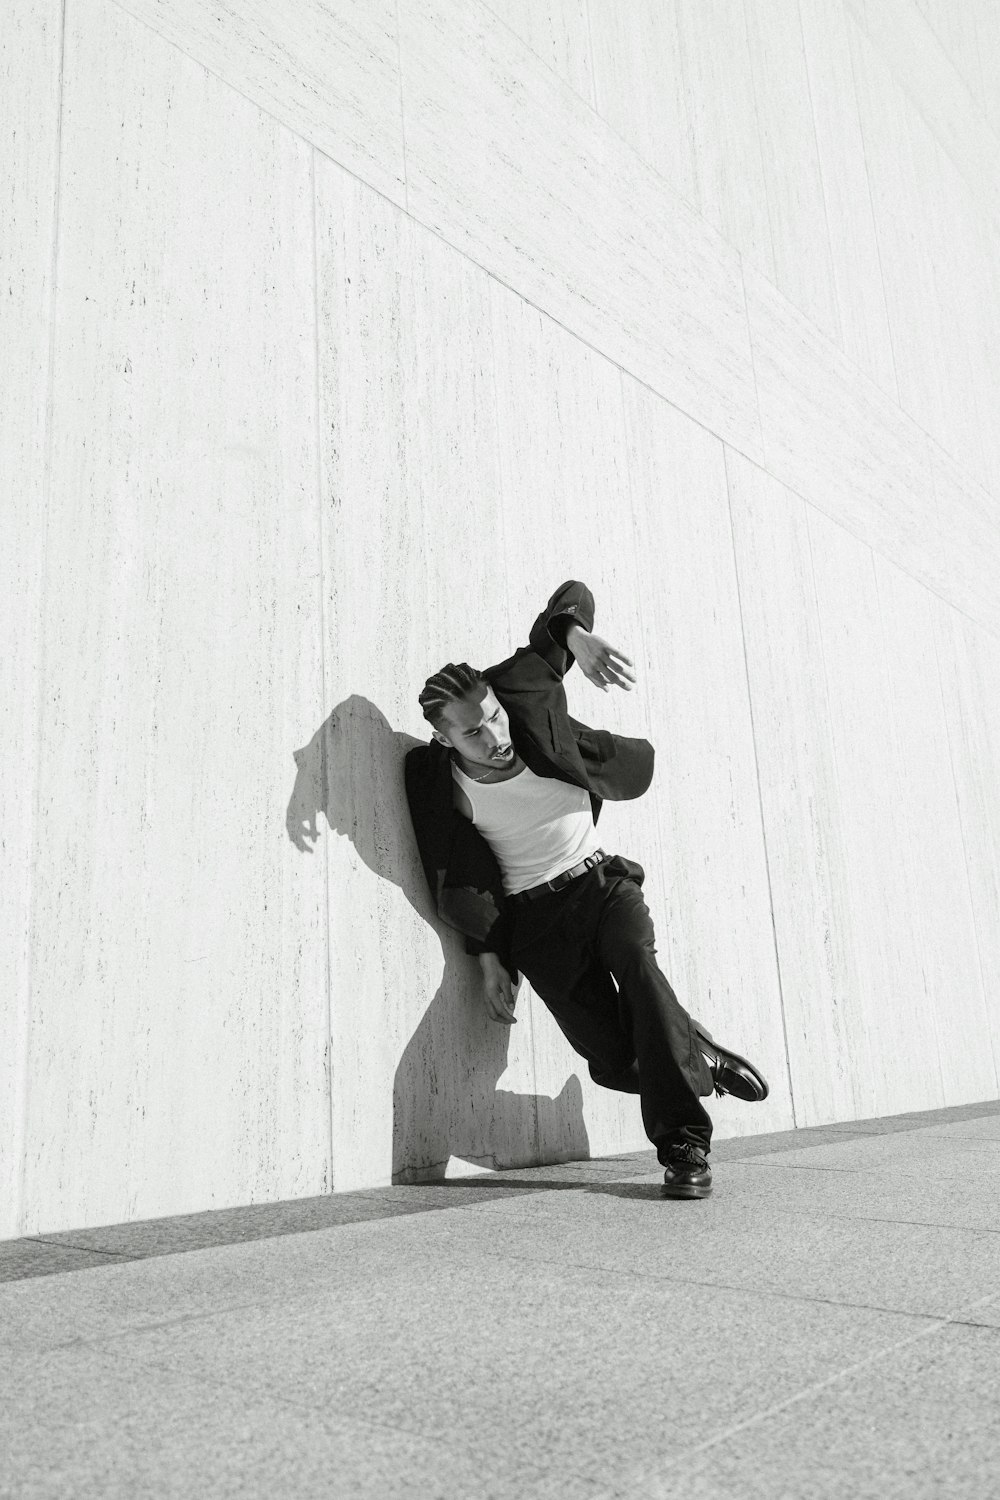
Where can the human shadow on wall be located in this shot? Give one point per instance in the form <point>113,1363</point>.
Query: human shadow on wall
<point>445,1097</point>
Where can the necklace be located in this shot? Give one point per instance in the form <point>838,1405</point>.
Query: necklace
<point>477,778</point>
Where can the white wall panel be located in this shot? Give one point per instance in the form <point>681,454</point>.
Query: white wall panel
<point>799,232</point>
<point>936,293</point>
<point>969,517</point>
<point>514,170</point>
<point>969,661</point>
<point>329,69</point>
<point>832,435</point>
<point>641,88</point>
<point>557,31</point>
<point>725,125</point>
<point>718,932</point>
<point>414,527</point>
<point>928,857</point>
<point>854,257</point>
<point>837,440</point>
<point>988,41</point>
<point>922,68</point>
<point>334,77</point>
<point>901,1021</point>
<point>957,28</point>
<point>178,1030</point>
<point>832,1061</point>
<point>29,127</point>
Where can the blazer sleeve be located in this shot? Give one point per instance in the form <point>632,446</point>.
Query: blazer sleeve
<point>572,601</point>
<point>529,683</point>
<point>425,818</point>
<point>496,941</point>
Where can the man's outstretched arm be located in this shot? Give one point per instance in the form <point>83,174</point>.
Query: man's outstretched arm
<point>563,632</point>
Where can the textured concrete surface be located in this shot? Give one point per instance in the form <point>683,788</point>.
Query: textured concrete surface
<point>823,1325</point>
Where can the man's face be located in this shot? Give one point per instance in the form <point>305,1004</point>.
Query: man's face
<point>478,729</point>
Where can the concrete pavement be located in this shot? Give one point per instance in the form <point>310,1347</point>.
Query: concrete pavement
<point>826,1324</point>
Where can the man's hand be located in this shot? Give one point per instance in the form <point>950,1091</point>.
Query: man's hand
<point>601,663</point>
<point>497,990</point>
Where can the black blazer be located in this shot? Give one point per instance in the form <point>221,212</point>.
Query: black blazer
<point>460,866</point>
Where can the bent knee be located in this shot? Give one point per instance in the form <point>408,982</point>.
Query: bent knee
<point>625,957</point>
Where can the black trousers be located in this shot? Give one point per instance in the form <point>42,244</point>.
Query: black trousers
<point>588,950</point>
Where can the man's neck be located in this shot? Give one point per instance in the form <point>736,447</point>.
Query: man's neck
<point>479,772</point>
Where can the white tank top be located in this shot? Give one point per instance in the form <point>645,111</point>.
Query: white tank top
<point>536,826</point>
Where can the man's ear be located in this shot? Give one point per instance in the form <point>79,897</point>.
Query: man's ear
<point>437,735</point>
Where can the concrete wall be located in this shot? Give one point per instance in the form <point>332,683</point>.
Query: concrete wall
<point>339,335</point>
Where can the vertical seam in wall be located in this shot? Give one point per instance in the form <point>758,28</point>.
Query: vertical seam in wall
<point>871,206</point>
<point>760,797</point>
<point>965,854</point>
<point>822,187</point>
<point>23,1041</point>
<point>318,415</point>
<point>402,117</point>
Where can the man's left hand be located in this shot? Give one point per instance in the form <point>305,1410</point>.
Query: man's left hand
<point>600,662</point>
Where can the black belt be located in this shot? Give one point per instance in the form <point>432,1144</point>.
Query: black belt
<point>534,891</point>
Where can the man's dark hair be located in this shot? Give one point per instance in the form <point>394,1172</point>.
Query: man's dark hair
<point>452,682</point>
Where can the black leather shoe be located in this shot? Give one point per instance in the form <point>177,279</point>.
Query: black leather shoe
<point>687,1173</point>
<point>732,1074</point>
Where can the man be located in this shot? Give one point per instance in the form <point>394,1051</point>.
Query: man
<point>504,802</point>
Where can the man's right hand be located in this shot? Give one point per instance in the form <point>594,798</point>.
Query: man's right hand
<point>497,988</point>
<point>600,662</point>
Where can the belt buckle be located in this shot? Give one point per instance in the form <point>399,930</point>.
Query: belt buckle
<point>589,862</point>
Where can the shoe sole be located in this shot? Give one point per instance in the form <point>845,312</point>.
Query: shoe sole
<point>762,1089</point>
<point>687,1190</point>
